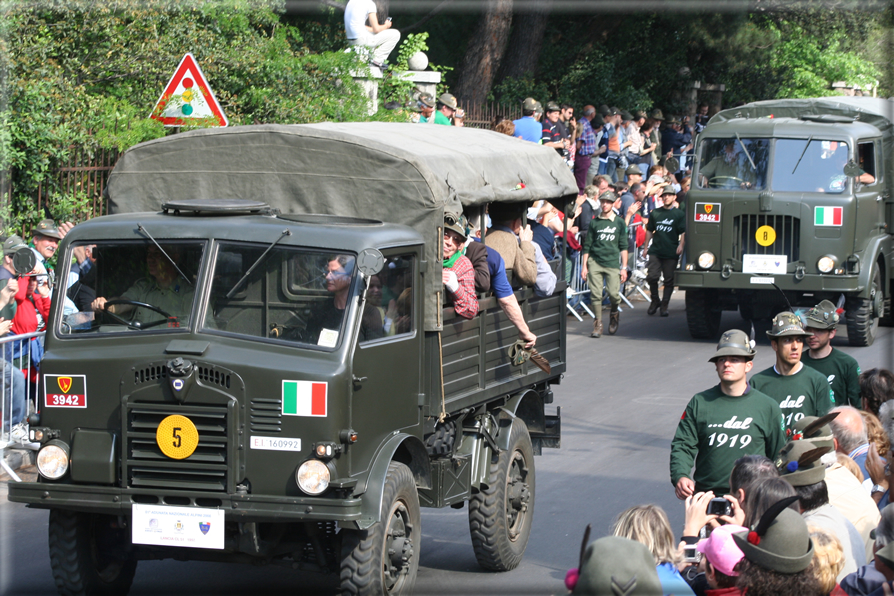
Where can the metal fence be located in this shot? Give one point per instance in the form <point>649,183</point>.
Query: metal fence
<point>18,395</point>
<point>481,114</point>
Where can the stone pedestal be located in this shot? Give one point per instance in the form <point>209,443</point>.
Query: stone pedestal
<point>370,85</point>
<point>426,81</point>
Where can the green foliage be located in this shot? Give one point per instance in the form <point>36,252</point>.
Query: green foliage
<point>87,73</point>
<point>512,91</point>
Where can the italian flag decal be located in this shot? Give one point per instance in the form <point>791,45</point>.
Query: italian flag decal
<point>304,398</point>
<point>827,216</point>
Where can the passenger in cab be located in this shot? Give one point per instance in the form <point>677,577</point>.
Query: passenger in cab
<point>458,274</point>
<point>324,322</point>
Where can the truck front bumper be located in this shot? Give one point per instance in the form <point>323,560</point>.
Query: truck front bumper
<point>245,508</point>
<point>687,280</point>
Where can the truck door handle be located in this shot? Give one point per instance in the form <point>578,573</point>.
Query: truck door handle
<point>358,380</point>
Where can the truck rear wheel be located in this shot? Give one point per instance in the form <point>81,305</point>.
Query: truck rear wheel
<point>862,314</point>
<point>384,559</point>
<point>703,314</point>
<point>501,515</point>
<point>87,554</point>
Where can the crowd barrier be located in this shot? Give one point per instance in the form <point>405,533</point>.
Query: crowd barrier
<point>20,354</point>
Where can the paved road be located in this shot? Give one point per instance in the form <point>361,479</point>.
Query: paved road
<point>620,403</point>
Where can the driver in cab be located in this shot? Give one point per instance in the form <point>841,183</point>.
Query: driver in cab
<point>165,289</point>
<point>730,169</point>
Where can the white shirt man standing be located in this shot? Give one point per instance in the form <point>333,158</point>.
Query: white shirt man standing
<point>363,29</point>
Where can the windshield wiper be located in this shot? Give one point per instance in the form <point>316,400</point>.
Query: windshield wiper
<point>167,256</point>
<point>806,145</point>
<point>282,235</point>
<point>748,155</point>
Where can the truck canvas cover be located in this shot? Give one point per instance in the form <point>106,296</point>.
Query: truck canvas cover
<point>406,174</point>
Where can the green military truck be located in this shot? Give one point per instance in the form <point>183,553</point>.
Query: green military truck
<point>214,401</point>
<point>794,198</point>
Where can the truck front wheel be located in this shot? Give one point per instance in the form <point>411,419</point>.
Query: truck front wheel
<point>862,314</point>
<point>703,314</point>
<point>500,516</point>
<point>384,559</point>
<point>88,554</point>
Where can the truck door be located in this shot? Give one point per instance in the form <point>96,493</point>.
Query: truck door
<point>388,357</point>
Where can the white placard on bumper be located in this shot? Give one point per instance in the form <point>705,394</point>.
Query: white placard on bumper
<point>769,264</point>
<point>162,525</point>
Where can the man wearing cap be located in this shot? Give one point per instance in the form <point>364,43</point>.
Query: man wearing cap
<point>675,140</point>
<point>720,556</point>
<point>799,390</point>
<point>527,127</point>
<point>552,133</point>
<point>666,229</point>
<point>615,566</point>
<point>724,423</point>
<point>657,117</point>
<point>446,109</point>
<point>13,378</point>
<point>606,243</point>
<point>362,28</point>
<point>839,368</point>
<point>799,464</point>
<point>586,147</point>
<point>458,274</point>
<point>45,241</point>
<point>608,138</point>
<point>427,108</point>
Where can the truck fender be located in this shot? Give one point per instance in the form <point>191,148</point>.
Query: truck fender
<point>401,447</point>
<point>527,405</point>
<point>869,263</point>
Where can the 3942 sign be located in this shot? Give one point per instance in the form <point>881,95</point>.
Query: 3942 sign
<point>69,401</point>
<point>707,212</point>
<point>65,391</point>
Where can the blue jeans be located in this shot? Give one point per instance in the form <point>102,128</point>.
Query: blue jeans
<point>13,385</point>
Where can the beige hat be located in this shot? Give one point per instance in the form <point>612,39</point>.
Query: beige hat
<point>448,100</point>
<point>47,227</point>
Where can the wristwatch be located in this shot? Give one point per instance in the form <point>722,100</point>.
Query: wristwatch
<point>878,488</point>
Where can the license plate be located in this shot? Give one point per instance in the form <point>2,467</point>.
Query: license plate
<point>768,264</point>
<point>275,444</point>
<point>163,525</point>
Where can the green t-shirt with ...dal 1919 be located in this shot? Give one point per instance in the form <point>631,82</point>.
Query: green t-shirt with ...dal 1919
<point>843,374</point>
<point>805,393</point>
<point>666,226</point>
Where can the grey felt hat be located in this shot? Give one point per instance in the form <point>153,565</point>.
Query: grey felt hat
<point>618,567</point>
<point>799,463</point>
<point>734,343</point>
<point>823,316</point>
<point>780,541</point>
<point>448,100</point>
<point>608,196</point>
<point>13,243</point>
<point>787,323</point>
<point>47,227</point>
<point>529,104</point>
<point>455,223</point>
<point>815,430</point>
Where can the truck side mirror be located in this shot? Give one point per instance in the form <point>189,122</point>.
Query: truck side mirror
<point>24,260</point>
<point>852,170</point>
<point>370,262</point>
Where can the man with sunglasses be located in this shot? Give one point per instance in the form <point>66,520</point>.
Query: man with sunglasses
<point>840,369</point>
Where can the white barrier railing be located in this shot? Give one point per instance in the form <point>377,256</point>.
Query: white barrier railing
<point>18,398</point>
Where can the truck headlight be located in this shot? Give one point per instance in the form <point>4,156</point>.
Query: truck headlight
<point>52,460</point>
<point>705,260</point>
<point>313,477</point>
<point>825,264</point>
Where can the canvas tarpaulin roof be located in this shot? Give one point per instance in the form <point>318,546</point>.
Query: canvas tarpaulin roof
<point>408,174</point>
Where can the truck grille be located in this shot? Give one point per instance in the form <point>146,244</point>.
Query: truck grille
<point>148,467</point>
<point>788,236</point>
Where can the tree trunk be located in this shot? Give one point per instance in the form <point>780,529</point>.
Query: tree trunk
<point>526,42</point>
<point>485,52</point>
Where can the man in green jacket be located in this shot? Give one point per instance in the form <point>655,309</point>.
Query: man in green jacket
<point>840,369</point>
<point>606,262</point>
<point>666,229</point>
<point>799,390</point>
<point>723,423</point>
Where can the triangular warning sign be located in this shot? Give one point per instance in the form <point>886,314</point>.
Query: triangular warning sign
<point>188,99</point>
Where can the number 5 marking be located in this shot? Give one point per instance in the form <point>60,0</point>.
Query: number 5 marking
<point>177,437</point>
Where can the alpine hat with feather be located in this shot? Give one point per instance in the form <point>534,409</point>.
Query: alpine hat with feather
<point>780,541</point>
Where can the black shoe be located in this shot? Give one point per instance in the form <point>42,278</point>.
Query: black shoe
<point>613,322</point>
<point>653,308</point>
<point>663,310</point>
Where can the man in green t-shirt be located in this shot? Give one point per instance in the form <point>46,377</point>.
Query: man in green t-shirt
<point>666,229</point>
<point>840,369</point>
<point>606,250</point>
<point>724,423</point>
<point>799,390</point>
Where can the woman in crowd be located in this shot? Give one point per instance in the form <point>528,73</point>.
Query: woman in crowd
<point>828,561</point>
<point>876,387</point>
<point>648,524</point>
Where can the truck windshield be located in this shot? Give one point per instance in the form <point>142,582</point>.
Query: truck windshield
<point>733,163</point>
<point>129,286</point>
<point>809,165</point>
<point>294,295</point>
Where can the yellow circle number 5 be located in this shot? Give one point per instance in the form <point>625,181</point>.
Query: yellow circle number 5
<point>177,437</point>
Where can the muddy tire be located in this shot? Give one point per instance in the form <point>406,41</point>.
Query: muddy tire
<point>702,314</point>
<point>384,559</point>
<point>87,554</point>
<point>862,314</point>
<point>501,515</point>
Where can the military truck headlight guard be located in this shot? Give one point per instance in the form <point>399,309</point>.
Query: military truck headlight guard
<point>706,260</point>
<point>313,477</point>
<point>826,263</point>
<point>53,459</point>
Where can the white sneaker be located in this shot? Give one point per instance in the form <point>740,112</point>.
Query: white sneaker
<point>19,434</point>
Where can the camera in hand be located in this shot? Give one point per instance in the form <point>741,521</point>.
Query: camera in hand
<point>691,554</point>
<point>720,506</point>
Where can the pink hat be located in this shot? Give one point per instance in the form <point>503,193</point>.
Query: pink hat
<point>720,549</point>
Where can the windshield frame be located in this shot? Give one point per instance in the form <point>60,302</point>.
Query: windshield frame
<point>66,263</point>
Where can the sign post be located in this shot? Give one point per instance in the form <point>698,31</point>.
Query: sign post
<point>188,99</point>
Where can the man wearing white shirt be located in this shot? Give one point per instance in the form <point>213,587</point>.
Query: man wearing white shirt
<point>363,29</point>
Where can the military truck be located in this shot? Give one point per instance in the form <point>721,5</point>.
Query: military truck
<point>791,203</point>
<point>215,402</point>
